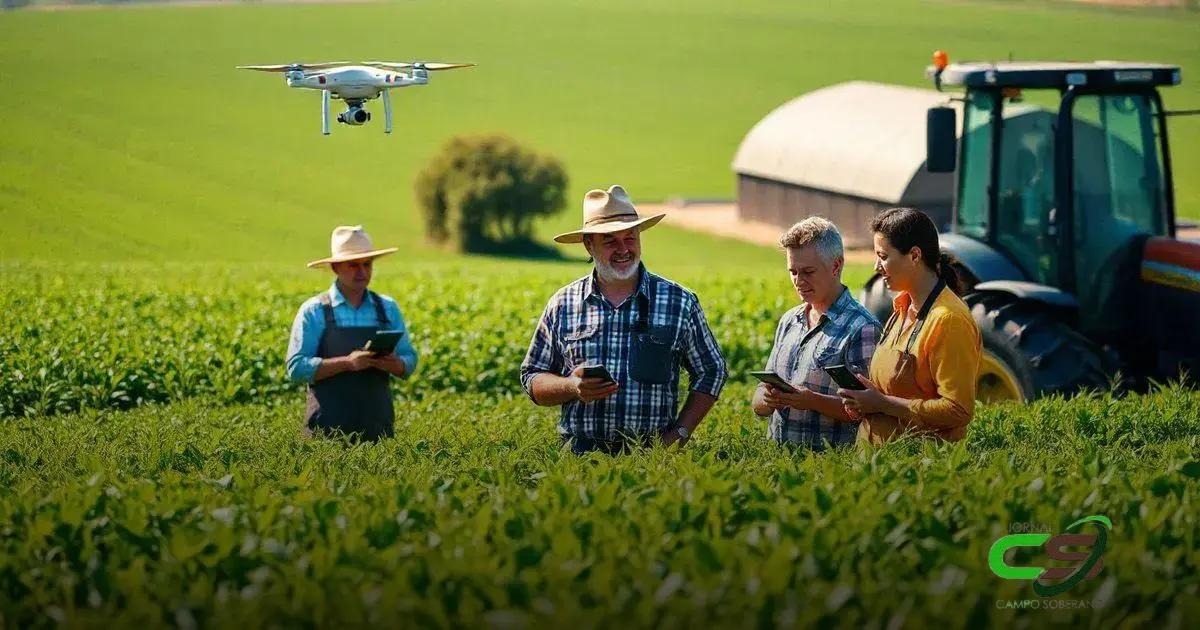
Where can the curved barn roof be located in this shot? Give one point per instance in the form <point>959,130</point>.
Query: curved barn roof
<point>860,138</point>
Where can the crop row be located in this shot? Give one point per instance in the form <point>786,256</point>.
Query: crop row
<point>116,338</point>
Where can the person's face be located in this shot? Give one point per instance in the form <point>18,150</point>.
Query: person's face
<point>354,274</point>
<point>898,269</point>
<point>617,255</point>
<point>816,280</point>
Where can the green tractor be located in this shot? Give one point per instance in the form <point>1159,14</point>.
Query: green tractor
<point>1064,225</point>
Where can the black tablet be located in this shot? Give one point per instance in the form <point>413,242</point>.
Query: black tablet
<point>384,342</point>
<point>844,377</point>
<point>774,380</point>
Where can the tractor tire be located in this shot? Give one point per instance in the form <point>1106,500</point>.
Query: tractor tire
<point>1040,352</point>
<point>1004,373</point>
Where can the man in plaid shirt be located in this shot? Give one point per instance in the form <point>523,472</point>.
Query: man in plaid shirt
<point>829,328</point>
<point>604,319</point>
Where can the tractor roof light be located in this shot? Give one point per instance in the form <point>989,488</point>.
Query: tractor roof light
<point>940,59</point>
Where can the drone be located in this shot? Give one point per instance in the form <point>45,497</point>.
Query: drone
<point>356,84</point>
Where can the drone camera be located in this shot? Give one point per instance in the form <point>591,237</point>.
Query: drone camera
<point>354,116</point>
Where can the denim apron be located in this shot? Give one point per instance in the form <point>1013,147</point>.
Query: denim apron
<point>878,428</point>
<point>358,403</point>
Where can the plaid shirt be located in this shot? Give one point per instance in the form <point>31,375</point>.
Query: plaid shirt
<point>579,326</point>
<point>846,334</point>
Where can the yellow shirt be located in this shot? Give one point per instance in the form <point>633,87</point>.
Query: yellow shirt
<point>947,351</point>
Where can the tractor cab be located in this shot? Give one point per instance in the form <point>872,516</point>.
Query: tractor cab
<point>1064,167</point>
<point>1063,186</point>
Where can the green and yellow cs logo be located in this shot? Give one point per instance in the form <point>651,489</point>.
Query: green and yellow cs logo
<point>1089,563</point>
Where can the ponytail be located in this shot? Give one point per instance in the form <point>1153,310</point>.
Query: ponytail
<point>947,270</point>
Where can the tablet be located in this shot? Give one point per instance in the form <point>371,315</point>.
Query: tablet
<point>384,342</point>
<point>774,380</point>
<point>844,377</point>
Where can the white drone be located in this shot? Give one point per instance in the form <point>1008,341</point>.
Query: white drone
<point>356,84</point>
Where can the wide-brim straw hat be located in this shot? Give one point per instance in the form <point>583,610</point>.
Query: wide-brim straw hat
<point>605,212</point>
<point>350,242</point>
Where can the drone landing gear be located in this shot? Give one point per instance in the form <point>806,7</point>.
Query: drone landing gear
<point>355,114</point>
<point>324,112</point>
<point>387,112</point>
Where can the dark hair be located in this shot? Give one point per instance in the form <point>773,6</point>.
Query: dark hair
<point>906,228</point>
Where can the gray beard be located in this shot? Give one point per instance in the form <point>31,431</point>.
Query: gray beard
<point>606,272</point>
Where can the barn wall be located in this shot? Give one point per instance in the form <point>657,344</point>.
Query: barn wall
<point>783,204</point>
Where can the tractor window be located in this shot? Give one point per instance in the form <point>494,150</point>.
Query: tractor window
<point>1119,189</point>
<point>1025,227</point>
<point>1118,179</point>
<point>971,217</point>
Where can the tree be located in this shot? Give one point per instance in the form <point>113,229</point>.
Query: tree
<point>480,191</point>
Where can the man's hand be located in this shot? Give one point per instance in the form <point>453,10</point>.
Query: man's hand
<point>778,399</point>
<point>670,436</point>
<point>389,363</point>
<point>588,389</point>
<point>360,360</point>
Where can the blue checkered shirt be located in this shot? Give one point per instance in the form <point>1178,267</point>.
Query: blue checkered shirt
<point>579,326</point>
<point>846,334</point>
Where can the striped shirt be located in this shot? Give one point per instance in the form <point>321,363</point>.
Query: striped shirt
<point>309,325</point>
<point>579,326</point>
<point>846,334</point>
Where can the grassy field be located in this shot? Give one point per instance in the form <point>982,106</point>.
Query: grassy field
<point>203,506</point>
<point>156,208</point>
<point>129,135</point>
<point>125,334</point>
<point>196,515</point>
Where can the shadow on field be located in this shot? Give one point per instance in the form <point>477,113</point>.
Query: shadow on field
<point>525,249</point>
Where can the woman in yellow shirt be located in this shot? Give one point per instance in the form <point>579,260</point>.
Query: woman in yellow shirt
<point>923,375</point>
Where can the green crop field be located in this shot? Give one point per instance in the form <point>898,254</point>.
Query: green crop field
<point>156,209</point>
<point>201,515</point>
<point>132,333</point>
<point>204,506</point>
<point>131,136</point>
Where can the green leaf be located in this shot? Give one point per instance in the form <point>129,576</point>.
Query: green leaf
<point>1191,469</point>
<point>824,501</point>
<point>706,555</point>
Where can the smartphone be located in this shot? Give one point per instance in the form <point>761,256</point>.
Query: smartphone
<point>844,377</point>
<point>598,371</point>
<point>384,342</point>
<point>774,380</point>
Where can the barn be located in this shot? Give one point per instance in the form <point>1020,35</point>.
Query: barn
<point>844,152</point>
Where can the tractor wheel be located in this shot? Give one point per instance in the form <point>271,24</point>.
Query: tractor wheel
<point>1004,374</point>
<point>1030,353</point>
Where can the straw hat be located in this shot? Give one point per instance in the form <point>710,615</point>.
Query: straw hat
<point>350,242</point>
<point>608,211</point>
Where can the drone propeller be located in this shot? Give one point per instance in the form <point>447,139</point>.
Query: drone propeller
<point>289,67</point>
<point>404,65</point>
